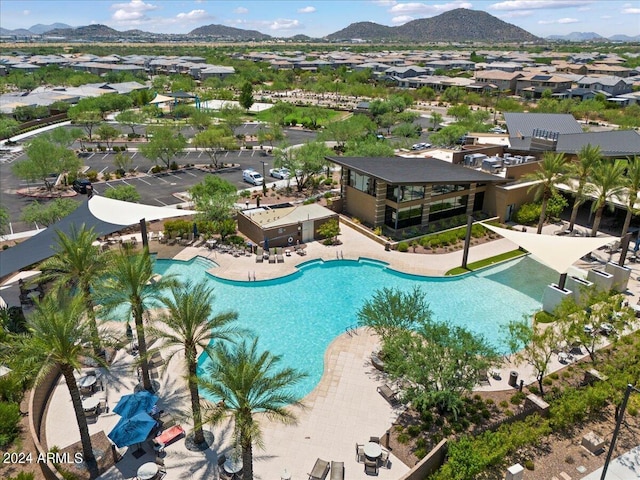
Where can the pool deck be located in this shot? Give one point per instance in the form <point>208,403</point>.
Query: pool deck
<point>342,410</point>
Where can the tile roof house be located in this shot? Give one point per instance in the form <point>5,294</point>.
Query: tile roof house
<point>534,85</point>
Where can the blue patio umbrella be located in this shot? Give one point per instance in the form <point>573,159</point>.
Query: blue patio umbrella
<point>266,243</point>
<point>132,430</point>
<point>134,403</point>
<point>195,230</point>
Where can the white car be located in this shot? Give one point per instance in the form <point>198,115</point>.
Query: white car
<point>497,130</point>
<point>281,173</point>
<point>420,146</point>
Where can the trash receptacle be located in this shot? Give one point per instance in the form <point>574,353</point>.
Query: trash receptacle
<point>513,379</point>
<point>387,246</point>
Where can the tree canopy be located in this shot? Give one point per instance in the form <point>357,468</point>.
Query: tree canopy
<point>214,198</point>
<point>164,145</point>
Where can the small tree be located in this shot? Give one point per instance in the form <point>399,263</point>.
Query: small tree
<point>123,161</point>
<point>214,198</point>
<point>534,345</point>
<point>131,119</point>
<point>4,220</point>
<point>48,213</point>
<point>330,231</point>
<point>126,193</point>
<point>391,310</point>
<point>246,96</point>
<point>89,119</point>
<point>213,141</point>
<point>164,145</point>
<point>45,158</point>
<point>107,133</point>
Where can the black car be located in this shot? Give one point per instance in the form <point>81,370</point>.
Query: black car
<point>82,185</point>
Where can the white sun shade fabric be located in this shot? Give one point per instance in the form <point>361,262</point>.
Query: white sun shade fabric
<point>128,213</point>
<point>161,99</point>
<point>556,252</point>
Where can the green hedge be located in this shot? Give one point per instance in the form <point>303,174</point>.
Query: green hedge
<point>9,423</point>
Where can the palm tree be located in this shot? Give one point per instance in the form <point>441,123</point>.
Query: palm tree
<point>606,183</point>
<point>249,382</point>
<point>78,263</point>
<point>588,157</point>
<point>551,171</point>
<point>632,182</point>
<point>130,282</point>
<point>58,330</point>
<point>190,325</point>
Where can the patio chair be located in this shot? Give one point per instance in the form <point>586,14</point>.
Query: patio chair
<point>384,458</point>
<point>483,378</point>
<point>320,470</point>
<point>168,436</point>
<point>337,470</point>
<point>388,394</point>
<point>272,257</point>
<point>371,467</point>
<point>374,439</point>
<point>279,256</point>
<point>260,255</point>
<point>359,453</point>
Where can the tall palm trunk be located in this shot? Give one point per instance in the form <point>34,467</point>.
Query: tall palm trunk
<point>543,214</point>
<point>142,346</point>
<point>85,438</point>
<point>91,315</point>
<point>247,457</point>
<point>596,221</point>
<point>627,222</point>
<point>198,434</point>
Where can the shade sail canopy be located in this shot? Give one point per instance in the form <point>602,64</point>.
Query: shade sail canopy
<point>556,252</point>
<point>161,99</point>
<point>128,213</point>
<point>103,214</point>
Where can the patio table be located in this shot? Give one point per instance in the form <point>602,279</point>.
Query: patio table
<point>372,450</point>
<point>90,404</point>
<point>87,381</point>
<point>147,471</point>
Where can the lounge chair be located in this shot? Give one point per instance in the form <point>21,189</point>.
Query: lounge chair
<point>320,470</point>
<point>388,394</point>
<point>337,470</point>
<point>168,436</point>
<point>259,255</point>
<point>374,439</point>
<point>483,378</point>
<point>279,256</point>
<point>272,256</point>
<point>384,458</point>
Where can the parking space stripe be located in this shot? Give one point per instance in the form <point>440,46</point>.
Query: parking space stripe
<point>134,154</point>
<point>143,181</point>
<point>160,202</point>
<point>189,173</point>
<point>109,185</point>
<point>103,170</point>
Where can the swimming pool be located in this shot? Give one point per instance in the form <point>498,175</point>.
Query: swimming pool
<point>299,315</point>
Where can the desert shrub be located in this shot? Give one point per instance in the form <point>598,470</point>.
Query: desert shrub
<point>173,166</point>
<point>547,381</point>
<point>528,464</point>
<point>528,214</point>
<point>92,175</point>
<point>23,476</point>
<point>403,247</point>
<point>554,376</point>
<point>414,430</point>
<point>9,423</point>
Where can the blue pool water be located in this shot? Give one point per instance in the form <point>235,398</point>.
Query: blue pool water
<point>298,316</point>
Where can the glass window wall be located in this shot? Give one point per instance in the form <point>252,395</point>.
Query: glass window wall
<point>361,182</point>
<point>405,193</point>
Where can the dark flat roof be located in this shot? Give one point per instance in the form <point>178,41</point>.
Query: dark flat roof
<point>523,124</point>
<point>612,144</point>
<point>398,170</point>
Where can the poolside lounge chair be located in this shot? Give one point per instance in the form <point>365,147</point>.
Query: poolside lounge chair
<point>320,470</point>
<point>374,439</point>
<point>483,378</point>
<point>168,436</point>
<point>388,394</point>
<point>272,256</point>
<point>259,255</point>
<point>337,470</point>
<point>279,256</point>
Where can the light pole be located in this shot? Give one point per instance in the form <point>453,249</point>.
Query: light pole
<point>623,406</point>
<point>264,178</point>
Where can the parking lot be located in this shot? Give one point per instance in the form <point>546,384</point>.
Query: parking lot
<point>154,189</point>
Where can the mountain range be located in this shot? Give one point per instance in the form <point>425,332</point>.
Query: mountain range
<point>459,25</point>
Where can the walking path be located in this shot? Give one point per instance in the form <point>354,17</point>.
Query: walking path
<point>342,410</point>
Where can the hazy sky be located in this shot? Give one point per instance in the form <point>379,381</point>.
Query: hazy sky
<point>320,17</point>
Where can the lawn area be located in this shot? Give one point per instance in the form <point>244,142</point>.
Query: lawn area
<point>487,262</point>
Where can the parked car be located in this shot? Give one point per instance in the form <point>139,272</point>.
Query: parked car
<point>282,173</point>
<point>497,130</point>
<point>252,177</point>
<point>81,185</point>
<point>420,146</point>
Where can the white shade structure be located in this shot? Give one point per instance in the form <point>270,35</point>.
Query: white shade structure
<point>556,252</point>
<point>128,213</point>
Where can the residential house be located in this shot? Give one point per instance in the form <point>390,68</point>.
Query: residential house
<point>498,80</point>
<point>534,85</point>
<point>611,86</point>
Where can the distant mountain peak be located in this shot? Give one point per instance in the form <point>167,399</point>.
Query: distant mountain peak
<point>39,28</point>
